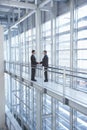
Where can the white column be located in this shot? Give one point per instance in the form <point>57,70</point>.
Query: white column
<point>39,110</point>
<point>71,54</point>
<point>2,90</point>
<point>38,33</point>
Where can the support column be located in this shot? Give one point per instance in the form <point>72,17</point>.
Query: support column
<point>71,53</point>
<point>53,114</point>
<point>53,32</point>
<point>71,38</point>
<point>53,35</point>
<point>10,78</point>
<point>2,89</point>
<point>39,111</point>
<point>38,32</point>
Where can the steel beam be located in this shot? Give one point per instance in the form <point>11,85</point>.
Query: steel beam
<point>23,18</point>
<point>17,4</point>
<point>44,3</point>
<point>45,9</point>
<point>61,0</point>
<point>5,11</point>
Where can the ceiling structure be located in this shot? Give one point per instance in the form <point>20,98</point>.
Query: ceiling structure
<point>12,10</point>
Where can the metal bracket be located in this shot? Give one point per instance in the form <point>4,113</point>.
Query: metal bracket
<point>22,79</point>
<point>32,84</point>
<point>45,90</point>
<point>66,101</point>
<point>15,76</point>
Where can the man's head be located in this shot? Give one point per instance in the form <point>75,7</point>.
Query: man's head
<point>33,52</point>
<point>45,52</point>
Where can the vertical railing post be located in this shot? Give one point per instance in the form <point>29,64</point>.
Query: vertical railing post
<point>64,83</point>
<point>43,74</point>
<point>4,66</point>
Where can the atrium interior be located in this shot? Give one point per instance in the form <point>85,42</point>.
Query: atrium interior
<point>60,28</point>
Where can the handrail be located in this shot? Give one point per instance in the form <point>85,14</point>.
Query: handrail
<point>57,70</point>
<point>51,67</point>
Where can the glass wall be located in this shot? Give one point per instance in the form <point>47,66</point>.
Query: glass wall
<point>56,37</point>
<point>80,121</point>
<point>63,40</point>
<point>82,37</point>
<point>80,42</point>
<point>62,116</point>
<point>46,41</point>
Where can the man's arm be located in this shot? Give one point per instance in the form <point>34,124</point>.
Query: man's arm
<point>33,59</point>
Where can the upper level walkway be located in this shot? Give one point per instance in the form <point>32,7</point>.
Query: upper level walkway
<point>69,87</point>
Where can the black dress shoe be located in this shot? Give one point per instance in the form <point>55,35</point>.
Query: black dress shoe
<point>33,79</point>
<point>45,80</point>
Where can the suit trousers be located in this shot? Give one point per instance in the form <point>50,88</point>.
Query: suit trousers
<point>45,73</point>
<point>33,72</point>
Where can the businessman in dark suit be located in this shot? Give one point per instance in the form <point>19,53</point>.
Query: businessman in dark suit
<point>33,65</point>
<point>44,63</point>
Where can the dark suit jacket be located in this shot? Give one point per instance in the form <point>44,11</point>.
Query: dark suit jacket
<point>33,61</point>
<point>44,61</point>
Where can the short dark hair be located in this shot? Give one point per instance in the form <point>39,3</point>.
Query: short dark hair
<point>45,51</point>
<point>33,51</point>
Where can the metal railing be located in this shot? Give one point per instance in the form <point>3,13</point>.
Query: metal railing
<point>61,75</point>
